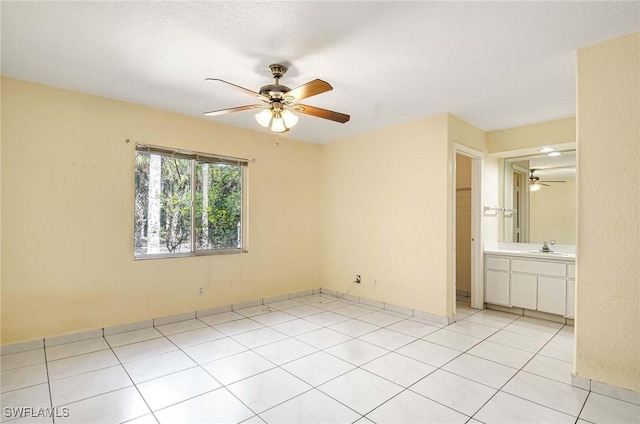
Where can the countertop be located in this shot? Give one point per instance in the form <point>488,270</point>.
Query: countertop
<point>532,251</point>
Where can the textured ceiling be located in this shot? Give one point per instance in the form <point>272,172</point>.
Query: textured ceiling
<point>494,64</point>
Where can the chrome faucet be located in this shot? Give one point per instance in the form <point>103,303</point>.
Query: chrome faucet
<point>545,248</point>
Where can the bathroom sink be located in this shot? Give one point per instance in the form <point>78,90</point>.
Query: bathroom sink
<point>546,253</point>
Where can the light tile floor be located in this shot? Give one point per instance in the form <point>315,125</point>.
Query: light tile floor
<point>311,360</point>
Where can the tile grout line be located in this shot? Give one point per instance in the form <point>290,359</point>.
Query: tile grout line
<point>408,388</point>
<point>222,386</point>
<point>46,366</point>
<point>99,369</point>
<point>197,365</point>
<point>522,370</point>
<point>133,383</point>
<point>583,405</point>
<point>320,350</point>
<point>317,350</point>
<point>518,371</point>
<point>280,366</point>
<point>451,360</point>
<point>441,367</point>
<point>314,387</point>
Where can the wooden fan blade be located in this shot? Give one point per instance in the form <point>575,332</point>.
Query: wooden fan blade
<point>309,89</point>
<point>551,181</point>
<point>546,185</point>
<point>242,89</point>
<point>322,113</point>
<point>231,110</point>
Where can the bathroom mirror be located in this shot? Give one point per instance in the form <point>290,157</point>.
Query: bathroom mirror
<point>541,191</point>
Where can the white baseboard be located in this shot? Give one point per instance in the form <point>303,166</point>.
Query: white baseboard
<point>605,389</point>
<point>106,331</point>
<point>529,313</point>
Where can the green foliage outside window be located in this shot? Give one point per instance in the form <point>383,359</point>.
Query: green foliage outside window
<point>172,207</point>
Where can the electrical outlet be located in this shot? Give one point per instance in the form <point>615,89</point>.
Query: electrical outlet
<point>358,279</point>
<point>200,291</point>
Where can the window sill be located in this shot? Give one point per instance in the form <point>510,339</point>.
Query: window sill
<point>215,252</point>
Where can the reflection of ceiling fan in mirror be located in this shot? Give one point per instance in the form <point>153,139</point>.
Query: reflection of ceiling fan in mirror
<point>535,183</point>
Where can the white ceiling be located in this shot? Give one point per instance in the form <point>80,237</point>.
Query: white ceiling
<point>548,167</point>
<point>495,64</point>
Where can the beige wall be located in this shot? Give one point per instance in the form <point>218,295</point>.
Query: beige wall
<point>552,213</point>
<point>384,215</point>
<point>67,215</point>
<point>608,281</point>
<point>464,133</point>
<point>550,133</point>
<point>387,208</point>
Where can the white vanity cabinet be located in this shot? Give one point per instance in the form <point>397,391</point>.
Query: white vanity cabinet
<point>545,285</point>
<point>552,295</point>
<point>524,291</point>
<point>496,280</point>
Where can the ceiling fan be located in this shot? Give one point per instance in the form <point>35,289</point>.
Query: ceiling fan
<point>535,183</point>
<point>278,102</point>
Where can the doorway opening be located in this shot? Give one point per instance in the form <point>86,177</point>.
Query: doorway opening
<point>520,217</point>
<point>468,287</point>
<point>464,239</point>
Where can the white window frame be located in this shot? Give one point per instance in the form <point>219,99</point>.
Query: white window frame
<point>213,159</point>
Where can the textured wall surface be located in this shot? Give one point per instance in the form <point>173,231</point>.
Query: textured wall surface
<point>384,215</point>
<point>67,215</point>
<point>608,258</point>
<point>387,212</point>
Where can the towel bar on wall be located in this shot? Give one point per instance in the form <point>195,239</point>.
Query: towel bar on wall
<point>497,210</point>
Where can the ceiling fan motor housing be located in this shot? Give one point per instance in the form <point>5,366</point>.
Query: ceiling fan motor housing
<point>274,91</point>
<point>277,70</point>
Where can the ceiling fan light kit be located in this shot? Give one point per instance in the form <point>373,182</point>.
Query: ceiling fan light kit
<point>279,100</point>
<point>264,117</point>
<point>281,120</point>
<point>289,118</point>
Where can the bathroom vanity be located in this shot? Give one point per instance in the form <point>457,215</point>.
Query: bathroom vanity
<point>520,277</point>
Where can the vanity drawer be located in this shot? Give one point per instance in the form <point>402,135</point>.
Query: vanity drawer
<point>571,271</point>
<point>501,264</point>
<point>556,269</point>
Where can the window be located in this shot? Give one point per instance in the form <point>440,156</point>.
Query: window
<point>187,203</point>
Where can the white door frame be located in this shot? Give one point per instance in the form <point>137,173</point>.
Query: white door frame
<point>477,280</point>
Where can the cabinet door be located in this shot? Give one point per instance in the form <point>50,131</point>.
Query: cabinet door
<point>571,299</point>
<point>492,262</point>
<point>551,295</point>
<point>524,291</point>
<point>556,269</point>
<point>496,287</point>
